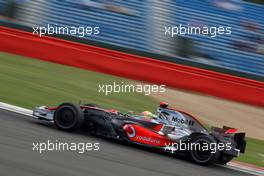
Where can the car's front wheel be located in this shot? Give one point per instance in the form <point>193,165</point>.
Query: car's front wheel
<point>68,117</point>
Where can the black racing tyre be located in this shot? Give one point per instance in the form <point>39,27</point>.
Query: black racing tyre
<point>206,156</point>
<point>223,159</point>
<point>68,117</point>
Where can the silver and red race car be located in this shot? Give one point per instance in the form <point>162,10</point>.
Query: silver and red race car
<point>168,130</point>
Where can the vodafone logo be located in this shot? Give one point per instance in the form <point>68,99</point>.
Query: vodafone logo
<point>148,139</point>
<point>130,131</point>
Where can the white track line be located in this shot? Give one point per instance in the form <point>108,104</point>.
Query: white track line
<point>16,109</point>
<point>245,168</point>
<point>231,165</point>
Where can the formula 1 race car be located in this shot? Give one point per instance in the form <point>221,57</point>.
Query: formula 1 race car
<point>169,130</point>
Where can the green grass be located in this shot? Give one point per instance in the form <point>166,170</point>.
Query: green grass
<point>28,83</point>
<point>254,152</point>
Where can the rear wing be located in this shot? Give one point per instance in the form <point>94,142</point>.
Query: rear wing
<point>230,133</point>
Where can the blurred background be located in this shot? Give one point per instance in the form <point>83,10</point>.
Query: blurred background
<point>138,26</point>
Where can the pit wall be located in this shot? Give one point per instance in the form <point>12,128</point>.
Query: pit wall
<point>131,66</point>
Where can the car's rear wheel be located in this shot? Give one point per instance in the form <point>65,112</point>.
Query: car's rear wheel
<point>204,154</point>
<point>68,117</point>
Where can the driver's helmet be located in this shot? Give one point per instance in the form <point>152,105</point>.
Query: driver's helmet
<point>148,115</point>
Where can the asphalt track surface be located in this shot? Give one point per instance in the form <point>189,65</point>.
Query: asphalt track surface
<point>18,132</point>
